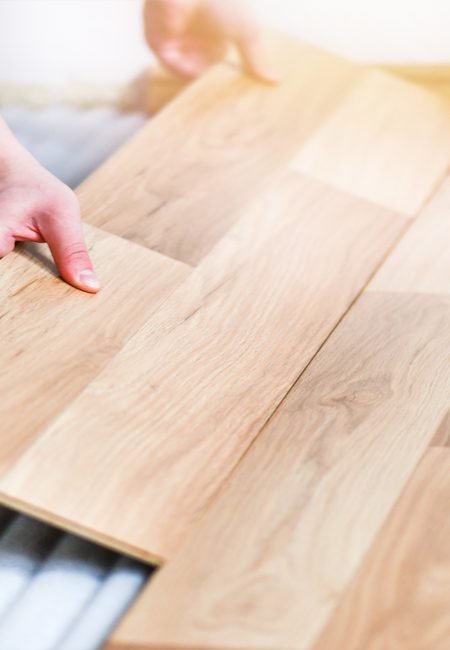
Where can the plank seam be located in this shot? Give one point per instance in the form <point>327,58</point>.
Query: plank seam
<point>356,574</point>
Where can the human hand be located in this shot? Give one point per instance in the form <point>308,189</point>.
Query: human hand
<point>190,35</point>
<point>35,206</point>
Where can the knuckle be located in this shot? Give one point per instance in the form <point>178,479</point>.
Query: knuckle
<point>75,252</point>
<point>64,204</point>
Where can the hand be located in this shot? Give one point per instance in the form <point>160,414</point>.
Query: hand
<point>190,35</point>
<point>37,207</point>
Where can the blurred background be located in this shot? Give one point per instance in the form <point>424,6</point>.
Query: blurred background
<point>77,49</point>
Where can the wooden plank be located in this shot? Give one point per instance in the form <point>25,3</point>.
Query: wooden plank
<point>397,157</point>
<point>54,340</point>
<point>421,262</point>
<point>299,513</point>
<point>401,596</point>
<point>180,404</point>
<point>272,557</point>
<point>434,78</point>
<point>176,187</point>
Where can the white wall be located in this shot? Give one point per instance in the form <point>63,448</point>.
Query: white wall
<point>57,42</point>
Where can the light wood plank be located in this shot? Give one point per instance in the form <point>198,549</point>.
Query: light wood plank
<point>54,340</point>
<point>176,187</point>
<point>302,508</point>
<point>421,262</point>
<point>433,78</point>
<point>271,558</point>
<point>158,431</point>
<point>388,141</point>
<point>401,597</point>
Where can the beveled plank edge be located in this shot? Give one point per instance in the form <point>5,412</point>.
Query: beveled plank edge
<point>442,435</point>
<point>76,529</point>
<point>102,233</point>
<point>113,645</point>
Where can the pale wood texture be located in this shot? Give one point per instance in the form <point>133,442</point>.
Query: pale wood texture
<point>401,596</point>
<point>182,401</point>
<point>421,262</point>
<point>272,558</point>
<point>176,187</point>
<point>357,154</point>
<point>54,340</point>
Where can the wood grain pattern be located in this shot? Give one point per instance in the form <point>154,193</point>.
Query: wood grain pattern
<point>271,558</point>
<point>401,597</point>
<point>183,400</point>
<point>395,158</point>
<point>177,186</point>
<point>421,262</point>
<point>54,340</point>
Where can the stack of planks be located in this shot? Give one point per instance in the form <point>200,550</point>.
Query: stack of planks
<point>260,393</point>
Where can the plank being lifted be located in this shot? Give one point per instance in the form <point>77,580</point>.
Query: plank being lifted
<point>274,554</point>
<point>54,339</point>
<point>159,430</point>
<point>177,186</point>
<point>378,159</point>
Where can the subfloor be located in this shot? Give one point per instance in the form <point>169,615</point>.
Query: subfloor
<point>58,591</point>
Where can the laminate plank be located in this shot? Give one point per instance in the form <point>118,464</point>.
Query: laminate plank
<point>272,557</point>
<point>54,340</point>
<point>401,596</point>
<point>177,185</point>
<point>395,157</point>
<point>159,430</point>
<point>301,510</point>
<point>421,261</point>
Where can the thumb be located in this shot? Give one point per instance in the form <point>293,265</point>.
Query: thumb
<point>64,236</point>
<point>254,59</point>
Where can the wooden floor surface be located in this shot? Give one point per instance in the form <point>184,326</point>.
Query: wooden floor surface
<point>260,398</point>
<point>306,546</point>
<point>158,431</point>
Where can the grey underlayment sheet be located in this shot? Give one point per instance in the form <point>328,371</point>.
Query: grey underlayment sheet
<point>58,591</point>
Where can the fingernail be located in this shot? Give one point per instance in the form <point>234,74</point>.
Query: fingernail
<point>88,279</point>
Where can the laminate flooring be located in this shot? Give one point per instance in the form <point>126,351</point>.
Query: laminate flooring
<point>256,422</point>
